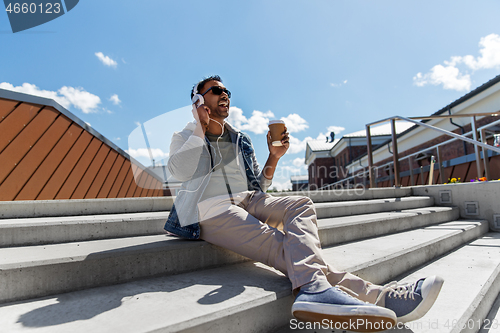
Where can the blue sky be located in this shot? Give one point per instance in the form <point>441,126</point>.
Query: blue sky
<point>321,65</point>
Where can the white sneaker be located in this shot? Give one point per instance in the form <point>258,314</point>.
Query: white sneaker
<point>342,311</point>
<point>411,301</point>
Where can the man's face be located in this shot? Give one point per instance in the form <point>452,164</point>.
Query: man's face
<point>218,104</point>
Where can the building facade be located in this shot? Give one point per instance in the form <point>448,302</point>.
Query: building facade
<point>348,156</point>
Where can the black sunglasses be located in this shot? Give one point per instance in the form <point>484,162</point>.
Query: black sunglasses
<point>218,91</point>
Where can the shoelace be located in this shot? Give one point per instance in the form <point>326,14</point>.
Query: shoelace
<point>403,291</point>
<point>396,291</point>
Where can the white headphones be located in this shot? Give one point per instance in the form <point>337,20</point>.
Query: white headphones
<point>197,98</point>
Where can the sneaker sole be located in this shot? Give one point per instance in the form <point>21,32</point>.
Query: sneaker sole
<point>427,302</point>
<point>345,317</point>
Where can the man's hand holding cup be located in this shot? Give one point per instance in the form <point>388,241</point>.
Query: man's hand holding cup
<point>278,140</point>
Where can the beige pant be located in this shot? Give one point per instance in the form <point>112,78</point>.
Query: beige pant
<point>282,232</point>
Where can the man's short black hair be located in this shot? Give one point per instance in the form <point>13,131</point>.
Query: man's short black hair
<point>201,84</point>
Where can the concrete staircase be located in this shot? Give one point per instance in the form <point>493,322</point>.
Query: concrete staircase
<point>107,266</point>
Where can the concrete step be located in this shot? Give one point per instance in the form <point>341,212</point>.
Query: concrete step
<point>33,271</point>
<point>350,228</point>
<point>358,207</point>
<point>48,208</point>
<point>50,230</point>
<point>59,221</point>
<point>472,282</point>
<point>491,324</point>
<point>351,194</point>
<point>41,270</point>
<point>75,207</point>
<point>395,254</point>
<point>247,297</point>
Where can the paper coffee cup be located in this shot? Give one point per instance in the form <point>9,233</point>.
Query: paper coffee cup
<point>277,127</point>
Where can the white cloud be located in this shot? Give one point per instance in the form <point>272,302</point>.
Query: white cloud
<point>257,123</point>
<point>335,129</point>
<point>236,117</point>
<point>490,54</point>
<point>31,89</point>
<point>296,145</point>
<point>299,162</point>
<point>107,61</point>
<point>336,85</point>
<point>115,100</point>
<point>285,172</point>
<point>295,123</point>
<point>144,152</point>
<point>66,96</point>
<point>81,99</point>
<point>281,186</point>
<point>451,77</point>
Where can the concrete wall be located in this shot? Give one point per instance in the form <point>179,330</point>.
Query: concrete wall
<point>478,200</point>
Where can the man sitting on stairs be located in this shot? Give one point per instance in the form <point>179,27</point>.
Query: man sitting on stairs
<point>223,201</point>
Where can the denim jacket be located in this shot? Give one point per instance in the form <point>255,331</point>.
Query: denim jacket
<point>183,218</point>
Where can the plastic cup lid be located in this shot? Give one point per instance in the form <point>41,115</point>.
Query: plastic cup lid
<point>276,122</point>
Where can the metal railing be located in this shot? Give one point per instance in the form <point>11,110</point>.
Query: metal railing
<point>474,141</point>
<point>365,173</point>
<point>345,181</point>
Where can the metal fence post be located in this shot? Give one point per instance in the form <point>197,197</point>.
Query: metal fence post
<point>485,156</point>
<point>431,171</point>
<point>391,176</point>
<point>370,157</point>
<point>395,156</point>
<point>439,154</point>
<point>410,161</point>
<point>476,148</point>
